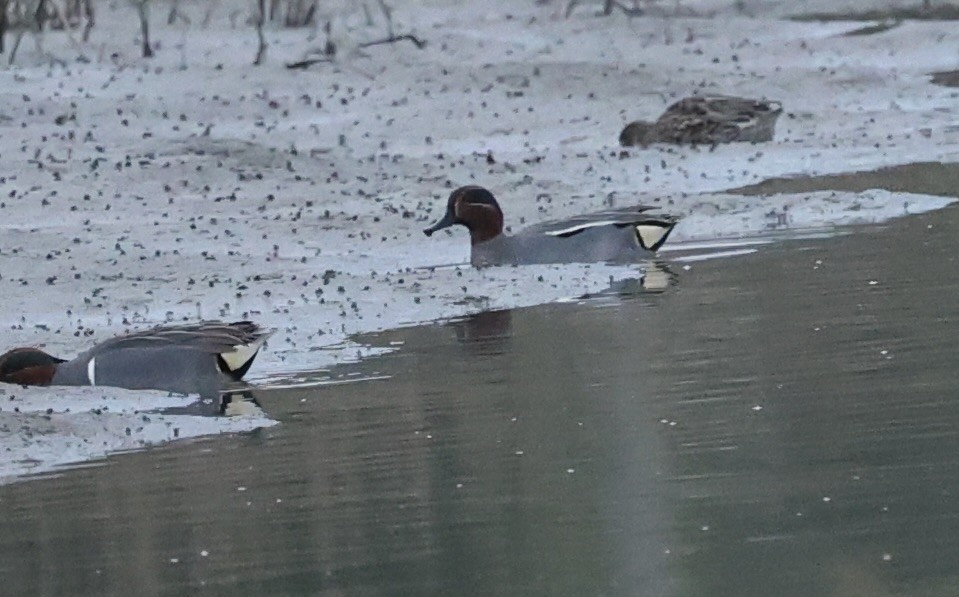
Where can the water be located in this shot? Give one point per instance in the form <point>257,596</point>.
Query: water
<point>781,423</point>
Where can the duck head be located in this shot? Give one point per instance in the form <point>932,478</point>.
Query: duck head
<point>637,132</point>
<point>474,207</point>
<point>28,367</point>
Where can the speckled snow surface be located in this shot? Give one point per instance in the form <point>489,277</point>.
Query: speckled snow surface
<point>192,185</point>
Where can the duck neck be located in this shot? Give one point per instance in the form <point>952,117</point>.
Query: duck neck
<point>481,235</point>
<point>485,222</point>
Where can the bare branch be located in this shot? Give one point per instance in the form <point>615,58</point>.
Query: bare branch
<point>144,14</point>
<point>175,13</point>
<point>308,62</point>
<point>208,15</point>
<point>40,16</point>
<point>4,24</point>
<point>88,13</point>
<point>261,46</point>
<point>16,45</point>
<point>388,14</point>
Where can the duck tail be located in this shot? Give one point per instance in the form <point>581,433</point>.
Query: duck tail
<point>652,233</point>
<point>236,362</point>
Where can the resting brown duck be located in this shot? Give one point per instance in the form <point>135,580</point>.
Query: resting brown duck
<point>707,120</point>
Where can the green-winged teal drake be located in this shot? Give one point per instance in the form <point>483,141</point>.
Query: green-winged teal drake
<point>189,359</point>
<point>612,236</point>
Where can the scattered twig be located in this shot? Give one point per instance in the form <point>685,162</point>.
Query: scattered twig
<point>308,62</point>
<point>419,43</point>
<point>300,64</point>
<point>608,6</point>
<point>873,29</point>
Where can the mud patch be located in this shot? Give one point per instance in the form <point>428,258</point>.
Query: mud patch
<point>918,12</point>
<point>873,29</point>
<point>926,178</point>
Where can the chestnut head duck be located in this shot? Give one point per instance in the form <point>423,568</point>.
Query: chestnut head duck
<point>612,236</point>
<point>190,359</point>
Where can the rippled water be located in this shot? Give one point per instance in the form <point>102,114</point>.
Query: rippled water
<point>781,423</point>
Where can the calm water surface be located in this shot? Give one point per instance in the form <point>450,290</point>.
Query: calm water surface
<point>785,423</point>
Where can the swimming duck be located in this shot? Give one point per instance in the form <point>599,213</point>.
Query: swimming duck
<point>707,120</point>
<point>612,236</point>
<point>189,359</point>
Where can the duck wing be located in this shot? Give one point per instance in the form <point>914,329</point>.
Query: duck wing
<point>234,345</point>
<point>715,119</point>
<point>651,229</point>
<point>572,225</point>
<point>215,337</point>
<point>722,107</point>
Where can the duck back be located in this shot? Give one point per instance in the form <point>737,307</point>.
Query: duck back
<point>592,245</point>
<point>166,368</point>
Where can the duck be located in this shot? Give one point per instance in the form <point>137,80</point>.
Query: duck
<point>707,120</point>
<point>199,358</point>
<point>624,235</point>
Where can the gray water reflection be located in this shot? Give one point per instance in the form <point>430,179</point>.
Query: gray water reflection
<point>781,423</point>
